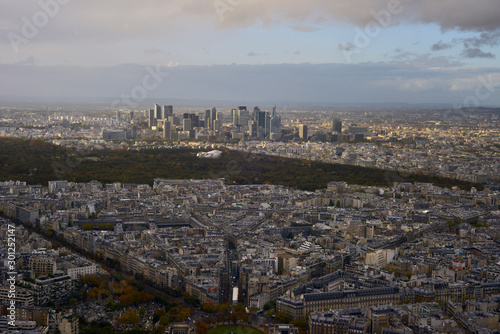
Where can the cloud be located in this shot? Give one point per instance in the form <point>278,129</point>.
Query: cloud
<point>255,54</point>
<point>404,55</point>
<point>441,46</point>
<point>465,15</point>
<point>127,18</point>
<point>153,50</point>
<point>303,28</point>
<point>347,47</point>
<point>485,39</point>
<point>477,53</point>
<point>472,45</point>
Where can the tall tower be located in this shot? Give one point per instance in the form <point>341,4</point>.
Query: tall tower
<point>186,124</point>
<point>337,125</point>
<point>213,114</point>
<point>166,130</point>
<point>152,119</point>
<point>158,112</point>
<point>208,119</point>
<point>303,131</point>
<point>167,111</point>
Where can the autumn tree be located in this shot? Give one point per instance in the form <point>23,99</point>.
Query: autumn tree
<point>130,317</point>
<point>209,308</point>
<point>201,327</point>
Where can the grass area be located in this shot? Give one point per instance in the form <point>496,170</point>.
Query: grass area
<point>235,329</point>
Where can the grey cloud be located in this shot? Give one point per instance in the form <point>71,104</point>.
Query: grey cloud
<point>480,15</point>
<point>127,19</point>
<point>466,15</point>
<point>304,28</point>
<point>441,46</point>
<point>402,55</point>
<point>153,50</point>
<point>484,39</point>
<point>477,53</point>
<point>347,46</point>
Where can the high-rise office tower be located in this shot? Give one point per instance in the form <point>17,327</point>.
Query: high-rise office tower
<point>195,120</point>
<point>213,115</point>
<point>243,118</point>
<point>217,124</point>
<point>151,119</point>
<point>303,131</point>
<point>337,125</point>
<point>166,130</point>
<point>255,115</point>
<point>261,119</point>
<point>167,111</point>
<point>174,120</point>
<point>253,129</point>
<point>158,112</point>
<point>208,119</point>
<point>186,124</point>
<point>267,120</point>
<point>234,116</point>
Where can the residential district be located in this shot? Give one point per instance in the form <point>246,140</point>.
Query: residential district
<point>180,256</point>
<point>411,258</point>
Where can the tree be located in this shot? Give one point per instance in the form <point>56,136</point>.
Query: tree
<point>270,305</point>
<point>283,317</point>
<point>88,227</point>
<point>130,317</point>
<point>201,327</point>
<point>235,316</point>
<point>142,311</point>
<point>159,312</point>
<point>107,330</point>
<point>239,307</point>
<point>110,303</point>
<point>209,308</point>
<point>300,324</point>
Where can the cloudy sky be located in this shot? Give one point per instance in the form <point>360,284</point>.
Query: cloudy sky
<point>336,51</point>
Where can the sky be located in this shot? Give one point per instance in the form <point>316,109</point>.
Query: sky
<point>331,51</point>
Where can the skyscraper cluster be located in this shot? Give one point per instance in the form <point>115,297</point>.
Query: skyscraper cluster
<point>244,123</point>
<point>258,124</point>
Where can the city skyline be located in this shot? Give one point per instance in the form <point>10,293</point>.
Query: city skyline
<point>378,51</point>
